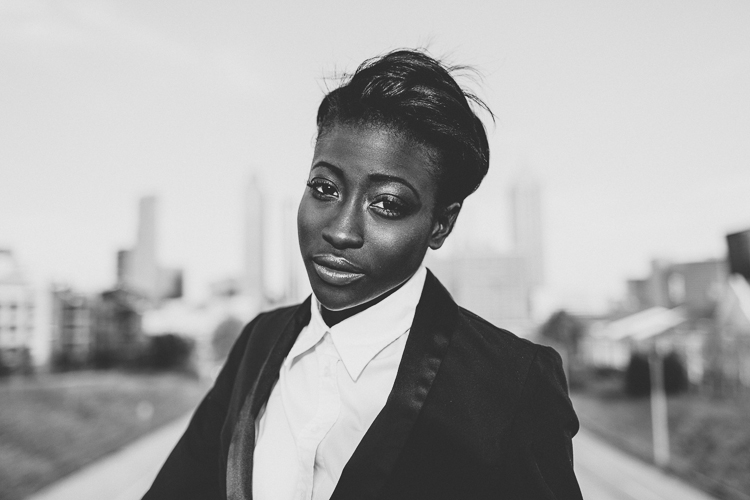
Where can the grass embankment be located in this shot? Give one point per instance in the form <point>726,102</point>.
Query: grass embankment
<point>709,437</point>
<point>51,426</point>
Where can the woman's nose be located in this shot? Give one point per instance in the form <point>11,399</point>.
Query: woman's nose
<point>344,230</point>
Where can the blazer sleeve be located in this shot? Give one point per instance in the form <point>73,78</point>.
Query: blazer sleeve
<point>546,424</point>
<point>194,469</point>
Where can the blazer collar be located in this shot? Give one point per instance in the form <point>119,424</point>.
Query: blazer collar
<point>239,472</point>
<point>431,333</point>
<point>360,338</point>
<point>374,458</point>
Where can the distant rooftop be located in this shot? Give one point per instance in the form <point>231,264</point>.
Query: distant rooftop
<point>645,324</point>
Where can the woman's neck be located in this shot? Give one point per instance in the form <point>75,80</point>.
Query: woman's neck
<point>333,318</point>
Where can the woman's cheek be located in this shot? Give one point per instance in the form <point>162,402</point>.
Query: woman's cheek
<point>308,220</point>
<point>399,248</point>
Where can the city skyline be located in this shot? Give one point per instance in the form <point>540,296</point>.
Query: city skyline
<point>280,277</point>
<point>633,116</point>
<point>520,235</point>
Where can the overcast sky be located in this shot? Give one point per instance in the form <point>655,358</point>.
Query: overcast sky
<point>634,116</point>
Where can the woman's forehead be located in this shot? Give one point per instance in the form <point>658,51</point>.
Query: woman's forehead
<point>375,150</point>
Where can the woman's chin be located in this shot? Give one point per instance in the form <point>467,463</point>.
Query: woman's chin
<point>357,294</point>
<point>336,300</point>
<point>340,299</point>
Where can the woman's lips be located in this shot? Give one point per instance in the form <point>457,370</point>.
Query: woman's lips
<point>336,270</point>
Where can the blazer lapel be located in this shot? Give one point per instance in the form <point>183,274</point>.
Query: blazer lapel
<point>240,457</point>
<point>373,460</point>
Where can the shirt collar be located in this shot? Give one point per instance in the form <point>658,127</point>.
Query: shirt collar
<point>360,338</point>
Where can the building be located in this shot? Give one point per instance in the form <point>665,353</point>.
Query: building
<point>728,350</point>
<point>117,327</point>
<point>494,286</point>
<point>637,295</point>
<point>610,343</point>
<point>17,315</point>
<point>144,268</point>
<point>738,246</point>
<point>672,309</point>
<point>296,285</point>
<point>138,268</point>
<point>124,266</point>
<point>72,335</point>
<point>501,287</point>
<point>526,226</point>
<point>170,283</point>
<point>694,285</point>
<point>253,282</point>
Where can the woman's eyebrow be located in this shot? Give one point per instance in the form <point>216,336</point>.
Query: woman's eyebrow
<point>393,178</point>
<point>373,177</point>
<point>325,164</point>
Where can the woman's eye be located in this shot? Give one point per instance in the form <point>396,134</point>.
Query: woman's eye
<point>322,189</point>
<point>390,207</point>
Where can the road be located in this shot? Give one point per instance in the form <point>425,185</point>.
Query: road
<point>124,475</point>
<point>604,473</point>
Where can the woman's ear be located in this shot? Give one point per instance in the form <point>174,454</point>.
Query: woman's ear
<point>444,222</point>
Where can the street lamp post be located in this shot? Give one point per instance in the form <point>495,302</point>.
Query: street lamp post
<point>659,419</point>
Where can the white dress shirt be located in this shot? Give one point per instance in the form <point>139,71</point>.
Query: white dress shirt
<point>331,386</point>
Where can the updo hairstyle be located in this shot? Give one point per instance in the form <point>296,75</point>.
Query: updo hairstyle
<point>415,95</point>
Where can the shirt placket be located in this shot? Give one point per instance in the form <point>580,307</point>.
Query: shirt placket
<point>329,404</point>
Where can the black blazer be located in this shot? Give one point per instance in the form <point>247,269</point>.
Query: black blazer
<point>474,413</point>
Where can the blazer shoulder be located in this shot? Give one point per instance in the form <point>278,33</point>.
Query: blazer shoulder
<point>258,336</point>
<point>269,323</point>
<point>534,364</point>
<point>276,315</point>
<point>494,335</point>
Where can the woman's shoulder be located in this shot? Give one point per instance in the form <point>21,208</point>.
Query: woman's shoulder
<point>501,338</point>
<point>504,349</point>
<point>259,335</point>
<point>537,369</point>
<point>279,316</point>
<point>279,313</point>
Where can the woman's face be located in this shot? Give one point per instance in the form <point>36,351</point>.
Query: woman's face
<point>368,215</point>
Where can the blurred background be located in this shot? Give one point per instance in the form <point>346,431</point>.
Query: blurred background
<point>152,155</point>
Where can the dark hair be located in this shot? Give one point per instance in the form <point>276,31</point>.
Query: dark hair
<point>415,95</point>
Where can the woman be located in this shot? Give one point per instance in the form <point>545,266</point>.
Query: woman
<point>379,385</point>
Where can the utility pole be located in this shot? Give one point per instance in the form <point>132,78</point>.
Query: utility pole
<point>659,420</point>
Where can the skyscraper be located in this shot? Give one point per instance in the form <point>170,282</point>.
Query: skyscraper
<point>144,265</point>
<point>502,287</point>
<point>296,284</point>
<point>253,282</point>
<point>138,268</point>
<point>526,225</point>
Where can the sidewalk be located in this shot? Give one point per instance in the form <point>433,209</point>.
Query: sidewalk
<point>124,475</point>
<point>606,473</point>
